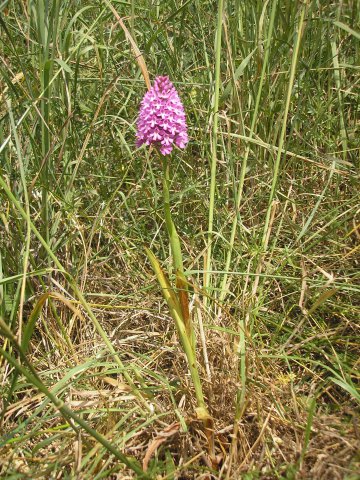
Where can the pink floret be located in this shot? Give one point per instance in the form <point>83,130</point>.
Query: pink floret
<point>162,118</point>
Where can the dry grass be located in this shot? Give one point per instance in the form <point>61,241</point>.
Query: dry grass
<point>287,358</point>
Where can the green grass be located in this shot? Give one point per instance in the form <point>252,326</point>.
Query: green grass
<point>265,201</point>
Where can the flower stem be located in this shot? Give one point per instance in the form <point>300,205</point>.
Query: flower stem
<point>178,303</point>
<point>173,235</point>
<point>181,283</point>
<point>189,350</point>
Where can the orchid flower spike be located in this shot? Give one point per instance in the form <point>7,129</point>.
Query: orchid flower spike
<point>162,120</point>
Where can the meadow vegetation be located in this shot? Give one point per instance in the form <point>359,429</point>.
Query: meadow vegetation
<point>94,380</point>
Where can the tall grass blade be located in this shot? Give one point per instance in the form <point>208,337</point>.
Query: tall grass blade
<point>214,145</point>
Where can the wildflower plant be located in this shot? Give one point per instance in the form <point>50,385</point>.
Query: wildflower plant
<point>162,124</point>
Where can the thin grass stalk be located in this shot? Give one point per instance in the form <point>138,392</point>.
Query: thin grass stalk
<point>308,429</point>
<point>335,58</point>
<point>44,37</point>
<point>284,123</point>
<point>132,19</point>
<point>215,111</point>
<point>240,395</point>
<point>24,342</point>
<point>77,293</point>
<point>2,289</point>
<point>17,304</point>
<point>269,218</point>
<point>47,22</point>
<point>71,417</point>
<point>27,220</point>
<point>203,36</point>
<point>138,55</point>
<point>239,192</point>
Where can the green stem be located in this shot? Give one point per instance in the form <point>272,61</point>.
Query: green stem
<point>175,312</point>
<point>26,253</point>
<point>181,284</point>
<point>173,235</point>
<point>215,110</point>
